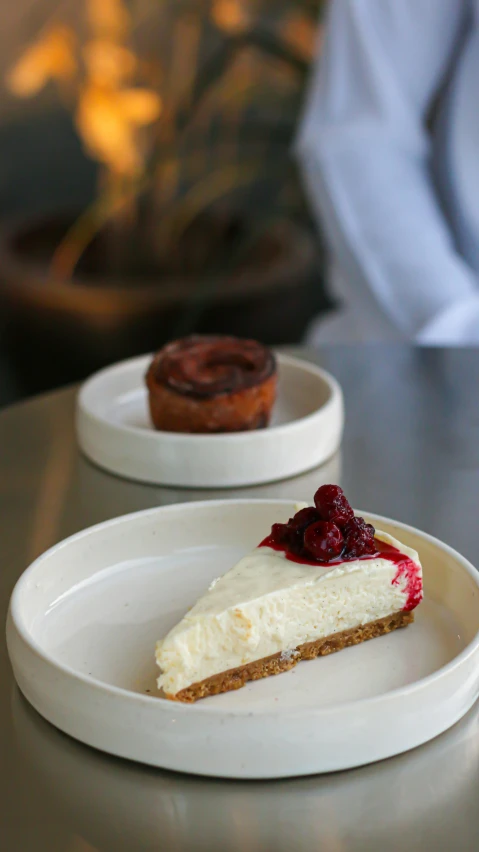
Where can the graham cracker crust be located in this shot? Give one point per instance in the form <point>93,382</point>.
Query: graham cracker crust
<point>277,663</point>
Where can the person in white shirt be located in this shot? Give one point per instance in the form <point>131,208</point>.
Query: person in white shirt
<point>389,150</point>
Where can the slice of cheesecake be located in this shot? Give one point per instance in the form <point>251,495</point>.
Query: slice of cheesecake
<point>322,582</point>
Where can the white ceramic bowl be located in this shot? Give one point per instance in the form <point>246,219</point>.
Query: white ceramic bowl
<point>119,807</point>
<point>114,430</point>
<point>84,618</point>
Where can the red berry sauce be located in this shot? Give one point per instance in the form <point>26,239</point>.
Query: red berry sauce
<point>408,569</point>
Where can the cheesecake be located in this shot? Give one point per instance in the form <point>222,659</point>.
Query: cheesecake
<point>322,582</point>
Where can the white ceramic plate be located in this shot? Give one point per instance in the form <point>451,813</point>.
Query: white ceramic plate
<point>115,431</point>
<point>118,807</point>
<point>85,616</point>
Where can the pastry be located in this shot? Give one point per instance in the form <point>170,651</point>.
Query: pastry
<point>321,582</point>
<point>211,384</point>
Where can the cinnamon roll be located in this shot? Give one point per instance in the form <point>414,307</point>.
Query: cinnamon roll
<point>211,384</point>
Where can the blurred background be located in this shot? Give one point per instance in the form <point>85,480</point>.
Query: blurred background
<point>147,183</point>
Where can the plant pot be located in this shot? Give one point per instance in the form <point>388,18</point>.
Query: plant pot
<point>60,332</point>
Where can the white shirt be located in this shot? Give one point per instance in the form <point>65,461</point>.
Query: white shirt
<point>399,202</point>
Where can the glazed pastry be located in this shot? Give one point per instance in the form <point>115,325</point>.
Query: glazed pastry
<point>211,384</point>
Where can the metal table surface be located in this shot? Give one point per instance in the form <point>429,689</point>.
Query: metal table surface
<point>410,451</point>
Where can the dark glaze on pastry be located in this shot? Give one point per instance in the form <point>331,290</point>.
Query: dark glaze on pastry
<point>211,384</point>
<point>204,367</point>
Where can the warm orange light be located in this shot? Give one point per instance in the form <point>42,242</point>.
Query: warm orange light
<point>52,56</point>
<point>300,32</point>
<point>110,113</point>
<point>230,16</point>
<point>139,106</point>
<point>109,18</point>
<point>107,121</point>
<point>107,63</point>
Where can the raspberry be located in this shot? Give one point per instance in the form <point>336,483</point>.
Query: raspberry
<point>293,536</point>
<point>303,519</point>
<point>323,540</point>
<point>279,533</point>
<point>359,538</point>
<point>295,541</point>
<point>288,537</point>
<point>332,505</point>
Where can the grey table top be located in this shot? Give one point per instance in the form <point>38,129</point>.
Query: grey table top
<point>410,451</point>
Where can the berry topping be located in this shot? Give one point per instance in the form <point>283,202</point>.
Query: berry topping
<point>296,528</point>
<point>303,519</point>
<point>332,505</point>
<point>323,540</point>
<point>292,533</point>
<point>329,531</point>
<point>279,533</point>
<point>359,538</point>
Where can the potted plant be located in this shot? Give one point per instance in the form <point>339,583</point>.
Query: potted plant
<point>198,222</point>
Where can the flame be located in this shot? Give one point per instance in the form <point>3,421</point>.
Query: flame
<point>52,56</point>
<point>108,18</point>
<point>107,63</point>
<point>108,122</point>
<point>111,114</point>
